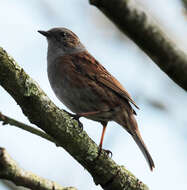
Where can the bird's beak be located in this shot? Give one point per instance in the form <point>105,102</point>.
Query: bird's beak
<point>44,33</point>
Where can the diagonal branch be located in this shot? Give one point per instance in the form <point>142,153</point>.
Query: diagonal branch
<point>42,112</point>
<point>11,171</point>
<point>184,3</point>
<point>145,32</point>
<point>8,120</point>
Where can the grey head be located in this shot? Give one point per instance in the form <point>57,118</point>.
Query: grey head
<point>61,41</point>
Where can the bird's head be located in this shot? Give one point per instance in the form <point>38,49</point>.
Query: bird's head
<point>62,38</point>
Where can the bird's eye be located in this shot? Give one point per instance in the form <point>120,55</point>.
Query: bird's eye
<point>63,34</point>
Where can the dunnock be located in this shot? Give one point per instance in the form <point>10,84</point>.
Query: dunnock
<point>87,88</point>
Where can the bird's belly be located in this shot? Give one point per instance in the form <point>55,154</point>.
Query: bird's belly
<point>81,99</point>
<point>78,100</point>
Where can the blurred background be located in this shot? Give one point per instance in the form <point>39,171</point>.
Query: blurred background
<point>162,116</point>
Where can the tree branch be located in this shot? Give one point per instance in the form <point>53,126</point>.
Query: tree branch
<point>11,171</point>
<point>8,120</point>
<point>144,31</point>
<point>42,112</point>
<point>184,3</point>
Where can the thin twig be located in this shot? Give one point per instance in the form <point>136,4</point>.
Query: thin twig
<point>8,120</point>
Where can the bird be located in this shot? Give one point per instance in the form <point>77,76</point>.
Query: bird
<point>84,86</point>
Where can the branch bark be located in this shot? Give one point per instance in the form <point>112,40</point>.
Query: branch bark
<point>11,171</point>
<point>8,120</point>
<point>184,3</point>
<point>58,124</point>
<point>144,31</point>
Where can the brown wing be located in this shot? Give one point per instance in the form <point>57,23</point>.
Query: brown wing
<point>114,84</point>
<point>91,68</point>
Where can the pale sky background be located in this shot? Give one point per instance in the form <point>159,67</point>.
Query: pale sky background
<point>163,130</point>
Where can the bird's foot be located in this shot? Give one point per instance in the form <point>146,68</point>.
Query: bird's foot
<point>76,117</point>
<point>107,152</point>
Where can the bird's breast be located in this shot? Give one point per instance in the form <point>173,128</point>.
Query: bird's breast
<point>72,89</point>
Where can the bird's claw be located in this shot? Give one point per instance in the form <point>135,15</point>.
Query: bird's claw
<point>76,117</point>
<point>108,152</point>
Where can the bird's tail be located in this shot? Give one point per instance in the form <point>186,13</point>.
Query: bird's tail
<point>139,141</point>
<point>134,131</point>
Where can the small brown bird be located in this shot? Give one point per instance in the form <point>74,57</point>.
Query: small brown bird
<point>83,85</point>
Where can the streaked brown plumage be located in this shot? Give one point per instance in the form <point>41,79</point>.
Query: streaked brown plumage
<point>87,88</point>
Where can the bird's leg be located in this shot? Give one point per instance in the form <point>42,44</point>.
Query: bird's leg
<point>101,141</point>
<point>78,115</point>
<point>102,135</point>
